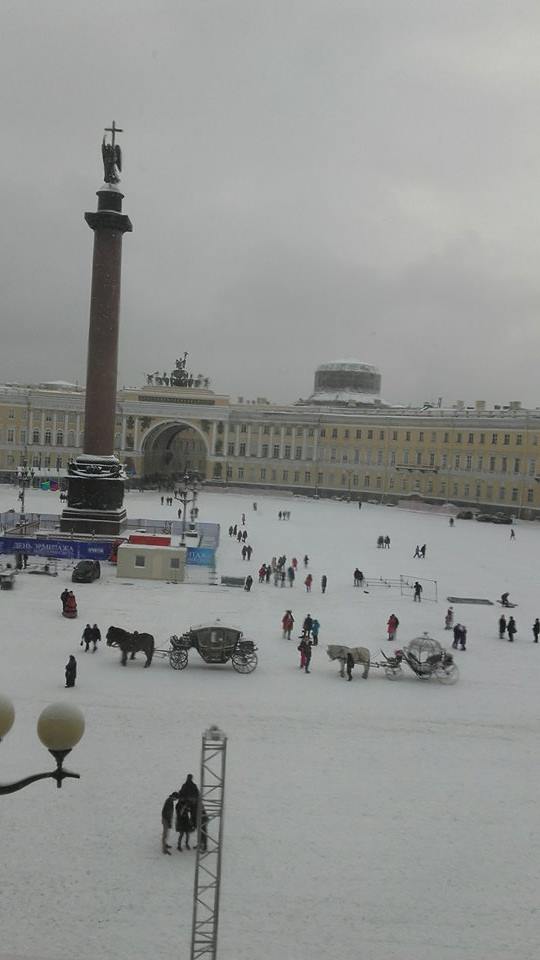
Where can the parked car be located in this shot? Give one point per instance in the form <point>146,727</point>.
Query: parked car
<point>494,518</point>
<point>465,515</point>
<point>86,571</point>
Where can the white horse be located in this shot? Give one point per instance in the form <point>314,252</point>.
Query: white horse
<point>359,654</point>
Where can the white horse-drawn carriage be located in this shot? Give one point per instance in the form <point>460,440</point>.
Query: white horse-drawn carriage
<point>424,655</point>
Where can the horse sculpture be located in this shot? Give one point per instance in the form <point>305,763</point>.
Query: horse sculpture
<point>359,654</point>
<point>131,643</point>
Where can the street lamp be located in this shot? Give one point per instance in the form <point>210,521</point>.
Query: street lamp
<point>60,727</point>
<point>183,495</point>
<point>25,476</point>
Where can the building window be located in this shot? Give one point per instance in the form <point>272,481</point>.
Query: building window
<point>515,493</point>
<point>288,432</point>
<point>501,493</point>
<point>478,491</point>
<point>140,560</point>
<point>355,480</point>
<point>405,456</point>
<point>285,475</point>
<point>48,418</point>
<point>264,450</point>
<point>421,437</point>
<point>444,460</point>
<point>491,464</point>
<point>35,436</point>
<point>357,456</point>
<point>11,414</point>
<point>370,434</point>
<point>430,486</point>
<point>323,432</point>
<point>468,462</point>
<point>71,439</point>
<point>455,489</point>
<point>47,460</point>
<point>417,486</point>
<point>287,452</point>
<point>446,437</point>
<point>346,434</point>
<point>530,495</point>
<point>36,461</point>
<point>392,458</point>
<point>242,450</point>
<point>296,476</point>
<point>504,464</point>
<point>263,473</point>
<point>243,428</point>
<point>358,434</point>
<point>319,478</point>
<point>532,467</point>
<point>11,436</point>
<point>48,437</point>
<point>379,457</point>
<point>307,477</point>
<point>366,480</point>
<point>489,492</point>
<point>334,434</point>
<point>494,439</point>
<point>230,449</point>
<point>519,439</point>
<point>432,459</point>
<point>394,435</point>
<point>298,453</point>
<point>457,461</point>
<point>482,438</point>
<point>23,436</point>
<point>311,433</point>
<point>466,492</point>
<point>459,438</point>
<point>480,462</point>
<point>471,438</point>
<point>506,440</point>
<point>381,434</point>
<point>408,435</point>
<point>240,473</point>
<point>418,458</point>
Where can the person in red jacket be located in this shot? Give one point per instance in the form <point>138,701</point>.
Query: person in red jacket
<point>392,625</point>
<point>308,581</point>
<point>287,623</point>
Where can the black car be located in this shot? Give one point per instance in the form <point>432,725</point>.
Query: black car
<point>86,571</point>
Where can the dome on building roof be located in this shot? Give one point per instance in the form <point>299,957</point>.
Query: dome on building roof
<point>346,383</point>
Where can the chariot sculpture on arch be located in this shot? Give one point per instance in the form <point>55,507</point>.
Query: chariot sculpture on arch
<point>112,155</point>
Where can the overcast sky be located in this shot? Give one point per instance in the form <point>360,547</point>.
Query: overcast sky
<point>308,180</point>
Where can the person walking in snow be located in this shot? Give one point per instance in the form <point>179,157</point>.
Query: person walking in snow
<point>536,630</point>
<point>306,560</point>
<point>512,534</point>
<point>463,637</point>
<point>324,581</point>
<point>262,573</point>
<point>457,635</point>
<point>307,625</point>
<point>305,653</point>
<point>417,591</point>
<point>502,626</point>
<point>391,626</point>
<point>307,582</point>
<point>249,551</point>
<point>449,618</point>
<point>423,551</point>
<point>511,629</point>
<point>87,637</point>
<point>244,552</point>
<point>417,552</point>
<point>249,583</point>
<point>96,637</point>
<point>349,665</point>
<point>287,623</point>
<point>315,627</point>
<point>166,821</point>
<point>184,823</point>
<point>290,575</point>
<point>71,671</point>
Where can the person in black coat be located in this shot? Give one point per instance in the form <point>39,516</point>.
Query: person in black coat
<point>96,637</point>
<point>511,629</point>
<point>189,791</point>
<point>349,665</point>
<point>71,671</point>
<point>502,626</point>
<point>249,583</point>
<point>536,630</point>
<point>87,637</point>
<point>184,822</point>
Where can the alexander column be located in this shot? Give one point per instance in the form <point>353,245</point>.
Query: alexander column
<point>96,477</point>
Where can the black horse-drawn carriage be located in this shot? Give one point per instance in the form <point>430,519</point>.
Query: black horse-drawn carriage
<point>215,643</point>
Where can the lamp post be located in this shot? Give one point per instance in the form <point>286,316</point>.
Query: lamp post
<point>60,727</point>
<point>25,476</point>
<point>183,495</point>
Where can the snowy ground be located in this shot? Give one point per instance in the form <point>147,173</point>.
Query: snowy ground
<point>387,821</point>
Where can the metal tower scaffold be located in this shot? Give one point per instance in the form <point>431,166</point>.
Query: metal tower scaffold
<point>206,892</point>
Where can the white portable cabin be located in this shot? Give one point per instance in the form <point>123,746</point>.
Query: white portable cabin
<point>145,562</point>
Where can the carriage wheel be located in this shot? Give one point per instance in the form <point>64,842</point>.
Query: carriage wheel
<point>244,662</point>
<point>178,659</point>
<point>448,674</point>
<point>393,673</point>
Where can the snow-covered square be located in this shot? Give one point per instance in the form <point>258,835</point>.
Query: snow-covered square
<point>373,819</point>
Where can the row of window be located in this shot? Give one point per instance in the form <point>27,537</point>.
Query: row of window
<point>420,436</point>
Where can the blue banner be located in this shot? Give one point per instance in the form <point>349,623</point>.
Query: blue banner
<point>201,556</point>
<point>57,548</point>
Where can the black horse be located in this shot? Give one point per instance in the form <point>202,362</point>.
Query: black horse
<point>131,643</point>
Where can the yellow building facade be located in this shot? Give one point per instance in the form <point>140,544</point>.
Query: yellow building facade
<point>477,457</point>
